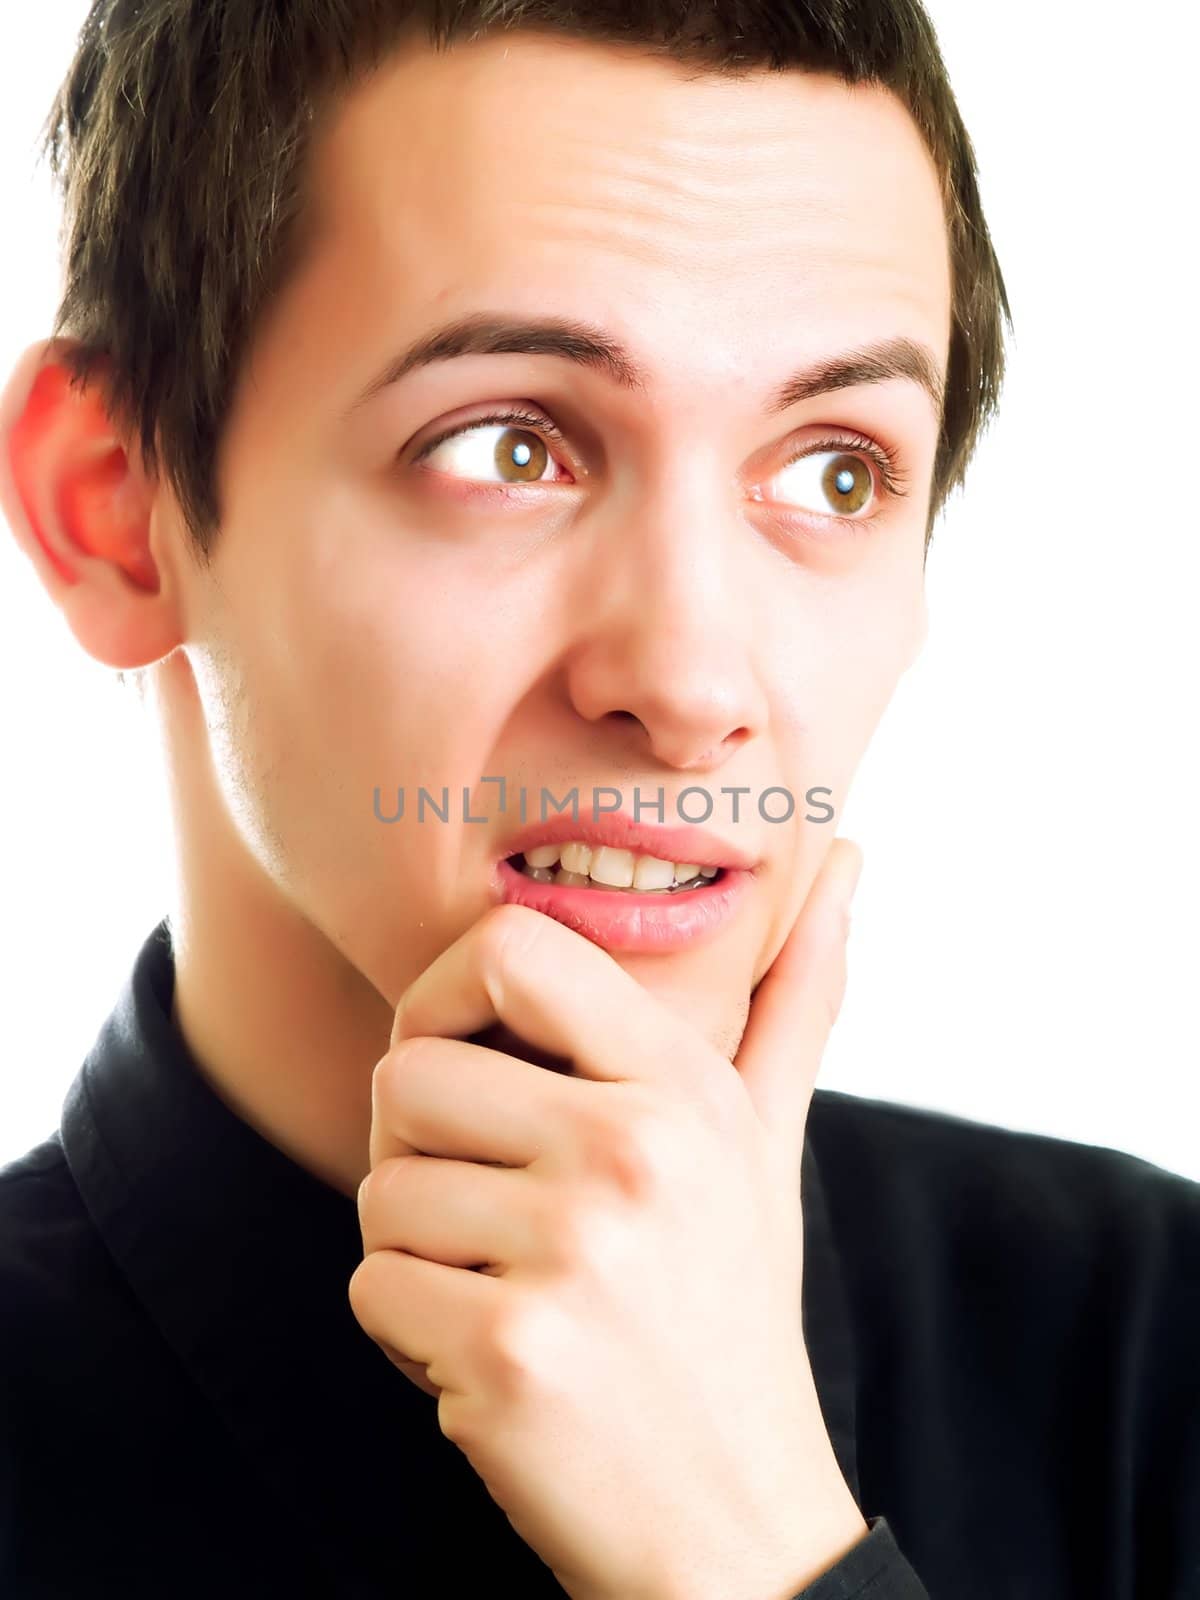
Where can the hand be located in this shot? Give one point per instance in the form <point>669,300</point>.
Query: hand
<point>630,1381</point>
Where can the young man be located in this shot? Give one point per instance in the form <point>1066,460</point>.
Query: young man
<point>556,406</point>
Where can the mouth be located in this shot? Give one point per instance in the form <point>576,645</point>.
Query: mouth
<point>623,901</point>
<point>582,866</point>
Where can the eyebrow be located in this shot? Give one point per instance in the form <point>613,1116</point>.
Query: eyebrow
<point>489,333</point>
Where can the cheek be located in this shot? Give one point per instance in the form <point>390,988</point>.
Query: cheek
<point>875,631</point>
<point>846,670</point>
<point>361,646</point>
<point>374,667</point>
<point>834,680</point>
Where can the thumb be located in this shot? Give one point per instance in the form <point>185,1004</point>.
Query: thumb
<point>796,1003</point>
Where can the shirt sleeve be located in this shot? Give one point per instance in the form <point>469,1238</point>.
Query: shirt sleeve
<point>875,1569</point>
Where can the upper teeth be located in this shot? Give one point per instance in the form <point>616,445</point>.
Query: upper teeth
<point>618,869</point>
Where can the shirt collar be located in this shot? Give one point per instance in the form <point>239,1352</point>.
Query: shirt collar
<point>242,1259</point>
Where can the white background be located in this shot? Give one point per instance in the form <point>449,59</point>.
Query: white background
<point>1024,948</point>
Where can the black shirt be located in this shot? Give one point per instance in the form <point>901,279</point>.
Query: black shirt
<point>1004,1331</point>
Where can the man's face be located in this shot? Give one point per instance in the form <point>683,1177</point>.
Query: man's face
<point>663,601</point>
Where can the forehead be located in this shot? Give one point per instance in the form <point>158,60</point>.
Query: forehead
<point>546,173</point>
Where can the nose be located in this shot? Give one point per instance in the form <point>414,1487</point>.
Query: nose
<point>667,631</point>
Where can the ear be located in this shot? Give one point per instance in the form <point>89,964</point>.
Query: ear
<point>82,511</point>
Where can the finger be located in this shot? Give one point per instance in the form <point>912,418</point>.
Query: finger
<point>455,1212</point>
<point>423,1313</point>
<point>444,1097</point>
<point>550,986</point>
<point>794,1007</point>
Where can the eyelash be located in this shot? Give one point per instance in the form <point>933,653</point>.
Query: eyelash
<point>886,459</point>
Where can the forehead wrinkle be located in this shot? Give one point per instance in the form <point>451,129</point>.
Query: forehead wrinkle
<point>760,214</point>
<point>799,127</point>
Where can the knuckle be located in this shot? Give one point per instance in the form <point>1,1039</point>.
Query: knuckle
<point>407,1053</point>
<point>364,1287</point>
<point>367,1192</point>
<point>513,1347</point>
<point>633,1151</point>
<point>650,1149</point>
<point>459,1421</point>
<point>581,1238</point>
<point>632,1166</point>
<point>596,1132</point>
<point>403,1058</point>
<point>379,1187</point>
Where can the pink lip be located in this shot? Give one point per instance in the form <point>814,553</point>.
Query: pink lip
<point>618,829</point>
<point>620,920</point>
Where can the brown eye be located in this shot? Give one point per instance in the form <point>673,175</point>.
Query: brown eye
<point>519,453</point>
<point>848,483</point>
<point>522,454</point>
<point>827,482</point>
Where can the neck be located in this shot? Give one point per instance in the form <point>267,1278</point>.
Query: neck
<point>280,1024</point>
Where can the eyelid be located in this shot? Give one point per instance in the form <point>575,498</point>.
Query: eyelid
<point>885,457</point>
<point>516,415</point>
<point>889,472</point>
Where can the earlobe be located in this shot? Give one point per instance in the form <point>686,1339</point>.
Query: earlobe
<point>80,508</point>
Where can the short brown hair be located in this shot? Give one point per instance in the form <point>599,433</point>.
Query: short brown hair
<point>179,137</point>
